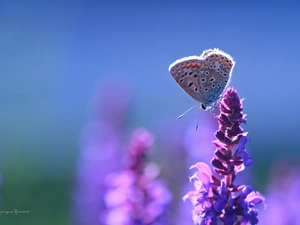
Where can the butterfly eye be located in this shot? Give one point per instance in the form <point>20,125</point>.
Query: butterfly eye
<point>206,89</point>
<point>218,85</point>
<point>221,71</point>
<point>206,72</point>
<point>191,73</point>
<point>191,84</point>
<point>213,86</point>
<point>225,74</point>
<point>203,80</point>
<point>212,79</point>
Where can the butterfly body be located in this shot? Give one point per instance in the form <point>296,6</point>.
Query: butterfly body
<point>204,77</point>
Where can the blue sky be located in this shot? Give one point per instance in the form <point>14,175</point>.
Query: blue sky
<point>54,54</point>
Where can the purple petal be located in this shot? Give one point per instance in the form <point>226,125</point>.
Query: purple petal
<point>202,167</point>
<point>203,174</point>
<point>243,141</point>
<point>208,215</point>
<point>247,160</point>
<point>218,164</point>
<point>229,215</point>
<point>220,204</point>
<point>241,151</point>
<point>204,179</point>
<point>254,198</point>
<point>246,190</point>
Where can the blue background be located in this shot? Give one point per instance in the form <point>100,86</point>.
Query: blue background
<point>54,54</point>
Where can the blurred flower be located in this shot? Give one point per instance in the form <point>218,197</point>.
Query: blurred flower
<point>183,145</point>
<point>135,196</point>
<point>215,198</point>
<point>99,155</point>
<point>198,146</point>
<point>283,196</point>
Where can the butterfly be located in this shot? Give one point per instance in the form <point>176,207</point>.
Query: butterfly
<point>204,77</point>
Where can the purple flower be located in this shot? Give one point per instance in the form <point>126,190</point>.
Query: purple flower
<point>99,154</point>
<point>184,146</point>
<point>200,197</point>
<point>246,202</point>
<point>221,201</point>
<point>135,196</point>
<point>242,153</point>
<point>208,216</point>
<point>216,199</point>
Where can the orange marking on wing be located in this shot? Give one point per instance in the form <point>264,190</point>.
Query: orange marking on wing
<point>194,64</point>
<point>182,66</point>
<point>221,60</point>
<point>206,53</point>
<point>188,65</point>
<point>226,63</point>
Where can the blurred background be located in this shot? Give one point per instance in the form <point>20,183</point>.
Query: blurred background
<point>68,65</point>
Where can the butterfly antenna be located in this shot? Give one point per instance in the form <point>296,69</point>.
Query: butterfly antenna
<point>198,118</point>
<point>179,117</point>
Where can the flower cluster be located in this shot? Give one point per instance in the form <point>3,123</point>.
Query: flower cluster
<point>216,199</point>
<point>135,195</point>
<point>101,140</point>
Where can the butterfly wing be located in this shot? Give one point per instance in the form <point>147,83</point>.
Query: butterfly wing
<point>187,72</point>
<point>204,77</point>
<point>218,68</point>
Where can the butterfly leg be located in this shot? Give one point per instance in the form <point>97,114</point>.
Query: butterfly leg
<point>179,117</point>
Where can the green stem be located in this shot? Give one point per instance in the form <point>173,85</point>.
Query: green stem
<point>228,178</point>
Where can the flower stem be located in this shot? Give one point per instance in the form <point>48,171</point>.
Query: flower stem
<point>228,178</point>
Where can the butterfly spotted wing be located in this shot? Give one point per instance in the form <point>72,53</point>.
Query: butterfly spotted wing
<point>186,72</point>
<point>204,77</point>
